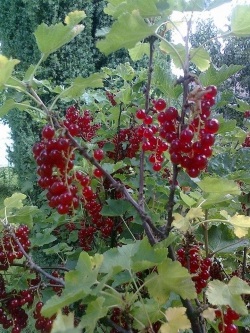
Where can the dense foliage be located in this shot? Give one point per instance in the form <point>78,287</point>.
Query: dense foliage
<point>145,187</point>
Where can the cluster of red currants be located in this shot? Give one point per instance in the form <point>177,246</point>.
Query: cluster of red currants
<point>191,258</point>
<point>9,249</point>
<point>227,318</point>
<point>42,324</point>
<point>80,125</point>
<point>118,318</point>
<point>11,312</point>
<point>189,146</point>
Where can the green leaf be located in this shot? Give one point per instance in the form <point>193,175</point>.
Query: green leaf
<point>171,277</point>
<point>146,313</point>
<point>219,293</point>
<point>147,256</point>
<point>119,259</point>
<point>24,216</point>
<point>216,77</point>
<point>129,29</point>
<point>176,51</point>
<point>58,248</point>
<point>94,312</point>
<point>219,185</point>
<point>147,8</point>
<point>240,23</point>
<point>78,283</point>
<point>201,58</point>
<point>115,207</point>
<point>6,68</point>
<point>222,240</point>
<point>10,104</point>
<point>241,106</point>
<point>166,83</point>
<point>137,52</point>
<point>226,125</point>
<point>15,201</point>
<point>41,239</point>
<point>80,84</point>
<point>242,175</point>
<point>187,199</point>
<point>65,324</point>
<point>51,38</point>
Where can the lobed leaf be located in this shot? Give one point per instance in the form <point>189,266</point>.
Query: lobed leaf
<point>129,29</point>
<point>51,38</point>
<point>240,23</point>
<point>219,293</point>
<point>6,68</point>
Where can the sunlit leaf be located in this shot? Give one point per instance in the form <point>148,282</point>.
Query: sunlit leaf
<point>241,224</point>
<point>6,68</point>
<point>220,293</point>
<point>129,29</point>
<point>15,201</point>
<point>219,185</point>
<point>50,38</point>
<point>201,58</point>
<point>64,324</point>
<point>177,320</point>
<point>240,23</point>
<point>176,51</point>
<point>10,104</point>
<point>209,314</point>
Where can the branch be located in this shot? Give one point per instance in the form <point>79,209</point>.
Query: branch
<point>30,263</point>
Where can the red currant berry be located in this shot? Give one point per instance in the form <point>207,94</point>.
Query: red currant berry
<point>160,104</point>
<point>98,154</point>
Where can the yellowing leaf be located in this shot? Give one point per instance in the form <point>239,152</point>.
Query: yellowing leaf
<point>241,223</point>
<point>195,213</point>
<point>177,320</point>
<point>180,222</point>
<point>209,314</point>
<point>220,293</point>
<point>64,323</point>
<point>6,68</point>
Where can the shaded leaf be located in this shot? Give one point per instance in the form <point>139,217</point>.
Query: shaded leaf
<point>146,313</point>
<point>218,76</point>
<point>115,207</point>
<point>137,52</point>
<point>10,104</point>
<point>94,312</point>
<point>221,239</point>
<point>166,83</point>
<point>78,283</point>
